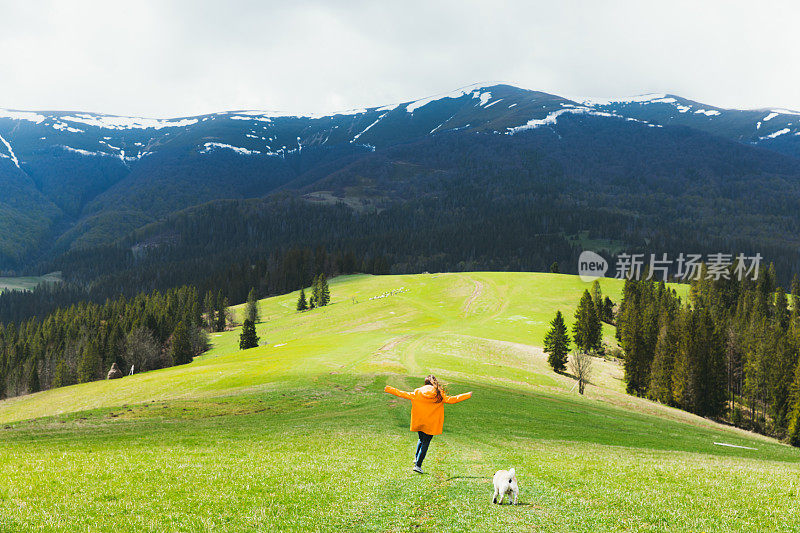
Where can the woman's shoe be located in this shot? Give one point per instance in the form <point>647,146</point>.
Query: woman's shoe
<point>418,470</point>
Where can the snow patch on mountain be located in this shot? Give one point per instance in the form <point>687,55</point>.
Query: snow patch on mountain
<point>458,93</point>
<point>365,130</point>
<point>778,133</point>
<point>113,122</point>
<point>11,154</point>
<point>785,112</point>
<point>64,127</point>
<point>410,108</point>
<point>551,118</point>
<point>83,152</point>
<point>36,118</point>
<point>769,117</point>
<point>255,118</point>
<point>434,130</point>
<point>666,100</point>
<point>265,115</point>
<point>652,98</point>
<point>390,107</point>
<point>708,112</point>
<point>210,146</point>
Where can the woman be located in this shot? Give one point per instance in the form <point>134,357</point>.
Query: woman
<point>427,413</point>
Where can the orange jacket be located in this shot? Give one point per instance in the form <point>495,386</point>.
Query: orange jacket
<point>427,414</point>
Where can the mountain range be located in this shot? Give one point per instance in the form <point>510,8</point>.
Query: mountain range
<point>75,180</point>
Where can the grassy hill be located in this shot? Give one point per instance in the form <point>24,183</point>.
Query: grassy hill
<point>297,435</point>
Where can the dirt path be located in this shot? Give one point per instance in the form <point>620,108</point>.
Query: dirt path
<point>476,293</point>
<point>393,343</point>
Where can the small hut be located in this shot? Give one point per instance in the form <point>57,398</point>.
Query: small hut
<point>115,372</point>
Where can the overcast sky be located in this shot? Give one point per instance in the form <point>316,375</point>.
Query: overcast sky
<point>165,58</point>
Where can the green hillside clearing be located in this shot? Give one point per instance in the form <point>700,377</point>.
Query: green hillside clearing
<point>297,435</point>
<point>29,282</point>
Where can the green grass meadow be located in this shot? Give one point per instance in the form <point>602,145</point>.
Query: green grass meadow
<point>297,434</point>
<point>28,283</point>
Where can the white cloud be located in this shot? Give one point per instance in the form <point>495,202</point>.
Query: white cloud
<point>167,59</point>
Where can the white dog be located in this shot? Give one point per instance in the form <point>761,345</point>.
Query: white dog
<point>505,482</point>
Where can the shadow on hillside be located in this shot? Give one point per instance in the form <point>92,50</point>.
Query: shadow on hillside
<point>574,377</point>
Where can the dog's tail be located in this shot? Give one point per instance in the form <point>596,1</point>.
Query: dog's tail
<point>512,472</point>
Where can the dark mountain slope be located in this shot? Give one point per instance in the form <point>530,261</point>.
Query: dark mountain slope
<point>483,201</point>
<point>87,179</point>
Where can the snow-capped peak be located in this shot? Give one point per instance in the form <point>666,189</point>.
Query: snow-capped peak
<point>458,93</point>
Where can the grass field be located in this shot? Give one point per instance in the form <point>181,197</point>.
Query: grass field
<point>297,435</point>
<point>28,283</point>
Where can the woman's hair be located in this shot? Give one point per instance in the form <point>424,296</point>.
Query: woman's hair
<point>431,380</point>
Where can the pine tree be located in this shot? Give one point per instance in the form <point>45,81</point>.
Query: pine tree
<point>795,297</point>
<point>556,343</point>
<point>699,375</point>
<point>325,291</point>
<point>302,305</point>
<point>682,373</point>
<point>320,292</point>
<point>33,378</point>
<point>587,329</point>
<point>251,308</point>
<point>316,294</point>
<point>782,314</point>
<point>710,375</point>
<point>196,308</point>
<point>62,375</point>
<point>596,331</point>
<point>181,350</point>
<point>793,433</point>
<point>597,298</point>
<point>628,296</point>
<point>89,366</point>
<point>660,386</point>
<point>220,311</point>
<point>780,382</point>
<point>209,308</point>
<point>793,426</point>
<point>608,310</point>
<point>248,338</point>
<point>637,327</point>
<point>758,360</point>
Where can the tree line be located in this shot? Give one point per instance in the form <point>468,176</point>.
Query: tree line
<point>275,272</point>
<point>80,343</point>
<point>320,295</point>
<point>729,352</point>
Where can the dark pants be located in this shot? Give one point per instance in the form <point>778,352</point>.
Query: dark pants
<point>422,446</point>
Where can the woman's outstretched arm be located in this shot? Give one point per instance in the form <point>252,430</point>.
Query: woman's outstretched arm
<point>398,392</point>
<point>458,398</point>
